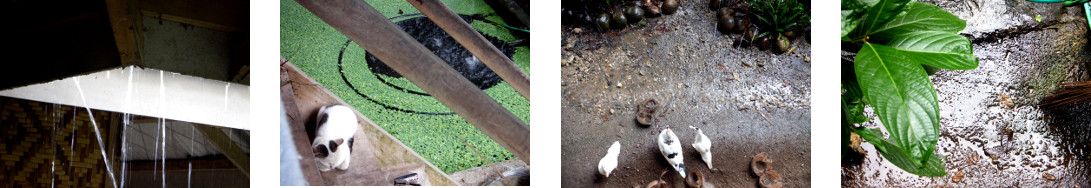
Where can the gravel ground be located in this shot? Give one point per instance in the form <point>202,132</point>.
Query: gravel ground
<point>992,131</point>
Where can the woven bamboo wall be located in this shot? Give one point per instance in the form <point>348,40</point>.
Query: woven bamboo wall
<point>46,145</point>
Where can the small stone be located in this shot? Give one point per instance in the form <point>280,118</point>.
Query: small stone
<point>577,30</point>
<point>618,84</point>
<point>973,158</point>
<point>1005,100</point>
<point>854,142</point>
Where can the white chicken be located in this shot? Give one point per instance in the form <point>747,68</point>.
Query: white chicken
<point>608,163</point>
<point>703,145</point>
<point>671,150</point>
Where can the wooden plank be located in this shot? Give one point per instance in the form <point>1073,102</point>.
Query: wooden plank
<point>392,155</point>
<point>191,21</point>
<point>473,41</point>
<point>126,23</point>
<point>226,146</point>
<point>243,76</point>
<point>181,165</point>
<point>299,133</point>
<point>225,15</point>
<point>376,34</point>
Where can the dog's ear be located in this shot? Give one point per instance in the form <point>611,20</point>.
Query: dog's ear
<point>320,151</point>
<point>336,142</point>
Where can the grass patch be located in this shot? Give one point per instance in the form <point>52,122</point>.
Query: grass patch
<point>314,46</point>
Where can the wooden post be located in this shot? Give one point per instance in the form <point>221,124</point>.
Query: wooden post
<point>376,34</point>
<point>113,146</point>
<point>445,18</point>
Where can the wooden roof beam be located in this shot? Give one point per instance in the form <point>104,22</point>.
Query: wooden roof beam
<point>223,15</point>
<point>180,165</point>
<point>126,22</point>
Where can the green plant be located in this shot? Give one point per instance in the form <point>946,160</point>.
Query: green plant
<point>776,17</point>
<point>897,39</point>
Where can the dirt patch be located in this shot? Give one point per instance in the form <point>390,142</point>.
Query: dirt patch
<point>746,100</point>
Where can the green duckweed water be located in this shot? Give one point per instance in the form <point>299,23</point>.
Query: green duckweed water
<point>314,46</point>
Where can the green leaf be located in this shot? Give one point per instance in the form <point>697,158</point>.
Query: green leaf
<point>936,48</point>
<point>919,17</point>
<point>932,167</point>
<point>851,13</point>
<point>849,21</point>
<point>899,91</point>
<point>878,15</point>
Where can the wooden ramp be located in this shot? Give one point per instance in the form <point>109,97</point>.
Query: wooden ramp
<point>377,157</point>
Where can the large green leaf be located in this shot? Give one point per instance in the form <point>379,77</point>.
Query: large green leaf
<point>932,167</point>
<point>852,11</point>
<point>899,91</point>
<point>918,17</point>
<point>878,15</point>
<point>849,21</point>
<point>939,49</point>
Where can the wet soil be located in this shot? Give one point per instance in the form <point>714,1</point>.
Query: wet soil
<point>746,100</point>
<point>992,132</point>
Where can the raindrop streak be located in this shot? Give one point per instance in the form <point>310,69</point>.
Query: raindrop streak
<point>102,147</point>
<point>124,146</point>
<point>155,153</point>
<point>189,178</point>
<point>72,139</point>
<point>53,137</point>
<point>129,94</point>
<point>163,124</point>
<point>225,95</point>
<point>127,121</point>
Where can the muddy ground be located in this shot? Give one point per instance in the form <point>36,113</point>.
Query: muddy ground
<point>748,101</point>
<point>992,131</point>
